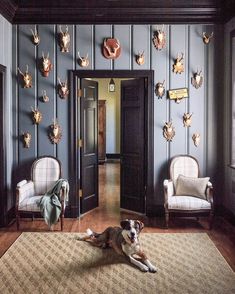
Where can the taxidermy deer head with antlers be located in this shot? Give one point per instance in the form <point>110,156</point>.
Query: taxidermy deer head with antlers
<point>140,58</point>
<point>63,90</point>
<point>178,66</point>
<point>46,65</point>
<point>27,139</point>
<point>55,132</point>
<point>64,39</point>
<point>111,48</point>
<point>37,115</point>
<point>35,36</point>
<point>168,131</point>
<point>83,61</point>
<point>187,119</point>
<point>27,78</point>
<point>197,79</point>
<point>207,38</point>
<point>160,89</point>
<point>159,39</point>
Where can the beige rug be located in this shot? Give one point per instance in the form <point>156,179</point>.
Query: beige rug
<point>58,263</point>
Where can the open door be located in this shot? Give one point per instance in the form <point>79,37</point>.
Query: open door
<point>133,145</point>
<point>89,145</point>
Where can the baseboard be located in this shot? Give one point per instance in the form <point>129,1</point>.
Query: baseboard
<point>113,155</point>
<point>225,213</point>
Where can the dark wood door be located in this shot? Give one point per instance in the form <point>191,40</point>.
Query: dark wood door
<point>102,131</point>
<point>132,145</point>
<point>89,146</point>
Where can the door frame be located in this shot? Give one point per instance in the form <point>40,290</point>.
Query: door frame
<point>75,76</point>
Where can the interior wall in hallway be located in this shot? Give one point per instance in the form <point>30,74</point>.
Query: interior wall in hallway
<point>88,39</point>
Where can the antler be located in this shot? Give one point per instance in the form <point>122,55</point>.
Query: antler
<point>27,69</point>
<point>79,56</point>
<point>43,55</point>
<point>47,55</point>
<point>20,71</point>
<point>163,82</point>
<point>66,29</point>
<point>59,81</point>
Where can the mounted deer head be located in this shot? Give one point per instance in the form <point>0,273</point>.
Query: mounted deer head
<point>27,139</point>
<point>35,36</point>
<point>178,66</point>
<point>111,48</point>
<point>168,131</point>
<point>83,61</point>
<point>207,38</point>
<point>63,90</point>
<point>196,139</point>
<point>159,39</point>
<point>187,119</point>
<point>46,65</point>
<point>160,89</point>
<point>64,39</point>
<point>27,78</point>
<point>37,115</point>
<point>55,132</point>
<point>140,58</point>
<point>197,79</point>
<point>45,98</point>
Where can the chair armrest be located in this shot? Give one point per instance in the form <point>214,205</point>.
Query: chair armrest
<point>209,193</point>
<point>168,190</point>
<point>24,190</point>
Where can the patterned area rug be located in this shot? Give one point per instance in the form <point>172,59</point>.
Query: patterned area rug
<point>58,263</point>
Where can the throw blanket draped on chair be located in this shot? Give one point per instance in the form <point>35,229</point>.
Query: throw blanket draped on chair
<point>50,205</point>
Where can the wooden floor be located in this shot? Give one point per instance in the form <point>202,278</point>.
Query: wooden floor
<point>108,214</point>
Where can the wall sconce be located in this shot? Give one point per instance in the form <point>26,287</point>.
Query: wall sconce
<point>111,86</point>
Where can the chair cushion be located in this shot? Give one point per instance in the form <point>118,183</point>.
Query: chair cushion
<point>187,203</point>
<point>191,186</point>
<point>30,204</point>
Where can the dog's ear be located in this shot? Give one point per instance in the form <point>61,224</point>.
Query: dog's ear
<point>125,223</point>
<point>140,224</point>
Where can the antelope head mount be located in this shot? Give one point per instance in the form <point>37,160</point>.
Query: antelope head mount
<point>168,131</point>
<point>35,36</point>
<point>27,78</point>
<point>160,89</point>
<point>45,98</point>
<point>140,58</point>
<point>178,66</point>
<point>159,39</point>
<point>55,132</point>
<point>83,61</point>
<point>187,119</point>
<point>111,48</point>
<point>64,39</point>
<point>63,90</point>
<point>196,139</point>
<point>197,79</point>
<point>46,65</point>
<point>37,115</point>
<point>207,38</point>
<point>26,139</point>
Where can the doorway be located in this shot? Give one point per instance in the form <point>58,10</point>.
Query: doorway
<point>136,139</point>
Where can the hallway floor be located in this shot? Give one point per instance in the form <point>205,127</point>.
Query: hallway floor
<point>109,214</point>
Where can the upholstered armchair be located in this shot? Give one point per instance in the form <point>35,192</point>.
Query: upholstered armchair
<point>45,172</point>
<point>185,193</point>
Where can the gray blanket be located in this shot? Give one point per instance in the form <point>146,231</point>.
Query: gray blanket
<point>50,205</point>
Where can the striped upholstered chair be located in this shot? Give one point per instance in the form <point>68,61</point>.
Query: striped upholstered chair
<point>45,171</point>
<point>185,193</point>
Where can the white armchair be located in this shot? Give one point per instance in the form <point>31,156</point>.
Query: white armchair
<point>186,193</point>
<point>45,171</point>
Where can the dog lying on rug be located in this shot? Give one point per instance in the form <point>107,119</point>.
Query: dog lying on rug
<point>124,241</point>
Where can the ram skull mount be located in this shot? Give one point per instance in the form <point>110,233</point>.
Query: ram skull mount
<point>140,59</point>
<point>159,39</point>
<point>207,38</point>
<point>187,119</point>
<point>37,115</point>
<point>27,77</point>
<point>46,66</point>
<point>83,61</point>
<point>178,66</point>
<point>111,48</point>
<point>63,90</point>
<point>168,131</point>
<point>26,139</point>
<point>197,79</point>
<point>35,36</point>
<point>64,39</point>
<point>55,132</point>
<point>160,89</point>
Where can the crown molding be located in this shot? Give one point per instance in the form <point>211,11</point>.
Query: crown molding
<point>8,9</point>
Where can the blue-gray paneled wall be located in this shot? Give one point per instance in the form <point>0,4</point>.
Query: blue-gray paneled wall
<point>186,39</point>
<point>6,60</point>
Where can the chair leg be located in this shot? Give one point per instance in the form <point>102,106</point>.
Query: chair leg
<point>17,221</point>
<point>167,218</point>
<point>62,221</point>
<point>211,218</point>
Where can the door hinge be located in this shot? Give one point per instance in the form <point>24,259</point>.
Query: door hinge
<point>80,193</point>
<point>79,93</point>
<point>79,143</point>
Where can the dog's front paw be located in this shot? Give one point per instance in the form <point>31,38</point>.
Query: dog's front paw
<point>79,238</point>
<point>144,268</point>
<point>152,269</point>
